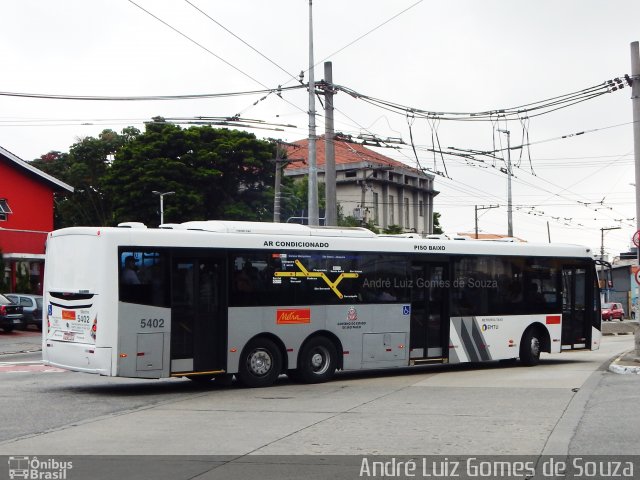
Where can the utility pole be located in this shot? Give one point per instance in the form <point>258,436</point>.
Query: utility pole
<point>280,164</point>
<point>482,208</point>
<point>313,168</point>
<point>509,173</point>
<point>331,208</point>
<point>635,100</point>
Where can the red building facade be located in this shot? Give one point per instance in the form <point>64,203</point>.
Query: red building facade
<point>26,217</point>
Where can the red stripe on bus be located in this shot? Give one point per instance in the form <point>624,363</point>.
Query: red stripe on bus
<point>553,319</point>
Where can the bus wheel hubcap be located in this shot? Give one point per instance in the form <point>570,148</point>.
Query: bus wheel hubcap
<point>260,362</point>
<point>319,361</point>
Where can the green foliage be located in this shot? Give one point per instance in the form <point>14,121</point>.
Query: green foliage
<point>294,197</point>
<point>393,230</point>
<point>215,174</point>
<point>436,223</point>
<point>23,281</point>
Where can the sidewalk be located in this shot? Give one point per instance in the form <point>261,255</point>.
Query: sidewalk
<point>628,362</point>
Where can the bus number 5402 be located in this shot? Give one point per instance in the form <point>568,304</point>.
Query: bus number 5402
<point>152,323</point>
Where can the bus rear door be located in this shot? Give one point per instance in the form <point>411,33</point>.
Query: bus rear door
<point>576,299</point>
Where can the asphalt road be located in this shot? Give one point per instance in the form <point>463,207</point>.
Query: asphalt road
<point>569,404</point>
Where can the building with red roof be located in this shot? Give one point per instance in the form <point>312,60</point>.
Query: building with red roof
<point>372,187</point>
<point>26,217</point>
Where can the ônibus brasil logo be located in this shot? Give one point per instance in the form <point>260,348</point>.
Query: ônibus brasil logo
<point>37,469</point>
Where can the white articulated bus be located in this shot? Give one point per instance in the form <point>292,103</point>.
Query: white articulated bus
<point>256,300</point>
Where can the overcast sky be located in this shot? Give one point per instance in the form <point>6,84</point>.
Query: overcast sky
<point>455,56</point>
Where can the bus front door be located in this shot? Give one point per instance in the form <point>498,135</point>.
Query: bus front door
<point>576,297</point>
<point>198,314</point>
<point>429,312</point>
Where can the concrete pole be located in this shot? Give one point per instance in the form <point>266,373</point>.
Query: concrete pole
<point>278,187</point>
<point>635,100</point>
<point>313,168</point>
<point>509,199</point>
<point>476,222</point>
<point>331,201</point>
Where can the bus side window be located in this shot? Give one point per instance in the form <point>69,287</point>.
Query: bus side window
<point>143,278</point>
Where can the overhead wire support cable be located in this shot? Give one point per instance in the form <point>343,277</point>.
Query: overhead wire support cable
<point>140,98</point>
<point>243,41</point>
<point>199,44</point>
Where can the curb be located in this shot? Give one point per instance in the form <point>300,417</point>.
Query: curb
<point>616,367</point>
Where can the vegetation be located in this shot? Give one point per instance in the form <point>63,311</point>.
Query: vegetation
<point>214,174</point>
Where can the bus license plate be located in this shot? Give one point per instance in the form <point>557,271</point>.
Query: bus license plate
<point>68,336</point>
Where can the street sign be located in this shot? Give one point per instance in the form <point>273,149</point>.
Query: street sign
<point>636,238</point>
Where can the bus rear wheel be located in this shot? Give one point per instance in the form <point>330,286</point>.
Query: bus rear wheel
<point>317,361</point>
<point>530,348</point>
<point>260,363</point>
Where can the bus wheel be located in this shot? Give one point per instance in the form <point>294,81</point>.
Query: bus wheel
<point>317,361</point>
<point>260,363</point>
<point>530,348</point>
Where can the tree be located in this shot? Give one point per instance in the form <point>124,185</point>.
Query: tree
<point>84,168</point>
<point>215,174</point>
<point>436,223</point>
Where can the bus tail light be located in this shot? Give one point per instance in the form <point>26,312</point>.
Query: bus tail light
<point>123,355</point>
<point>94,328</point>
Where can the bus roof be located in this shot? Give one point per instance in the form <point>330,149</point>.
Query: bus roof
<point>283,236</point>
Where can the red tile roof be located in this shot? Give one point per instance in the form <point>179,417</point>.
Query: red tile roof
<point>346,153</point>
<point>489,236</point>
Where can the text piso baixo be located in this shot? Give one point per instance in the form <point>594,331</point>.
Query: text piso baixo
<point>462,282</point>
<point>577,467</point>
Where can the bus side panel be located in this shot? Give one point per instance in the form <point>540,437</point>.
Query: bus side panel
<point>349,323</point>
<point>144,341</point>
<point>496,337</point>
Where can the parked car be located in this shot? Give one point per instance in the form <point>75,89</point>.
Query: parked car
<point>31,308</point>
<point>10,314</point>
<point>612,311</point>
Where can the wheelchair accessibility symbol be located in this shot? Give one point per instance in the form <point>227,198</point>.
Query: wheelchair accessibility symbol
<point>406,310</point>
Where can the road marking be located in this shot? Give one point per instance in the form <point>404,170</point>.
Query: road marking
<point>27,367</point>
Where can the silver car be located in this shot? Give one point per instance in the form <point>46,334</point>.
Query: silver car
<point>31,308</point>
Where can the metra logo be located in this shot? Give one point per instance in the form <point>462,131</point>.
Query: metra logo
<point>68,315</point>
<point>293,316</point>
<point>486,327</point>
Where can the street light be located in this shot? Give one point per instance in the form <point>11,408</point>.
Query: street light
<point>161,195</point>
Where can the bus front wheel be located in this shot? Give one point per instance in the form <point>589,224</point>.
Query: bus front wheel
<point>530,348</point>
<point>317,361</point>
<point>260,363</point>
